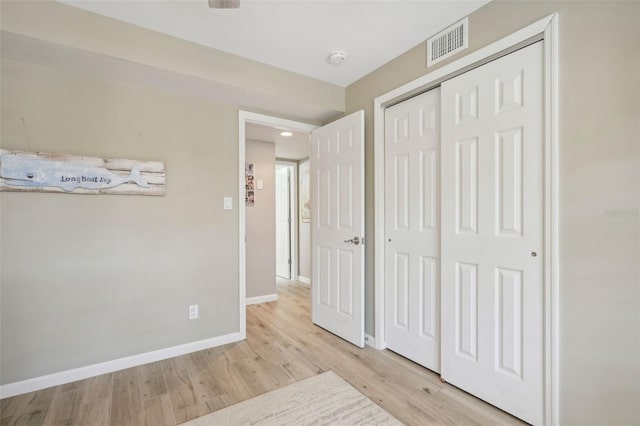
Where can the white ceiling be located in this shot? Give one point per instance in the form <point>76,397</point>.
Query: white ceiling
<point>297,35</point>
<point>295,147</point>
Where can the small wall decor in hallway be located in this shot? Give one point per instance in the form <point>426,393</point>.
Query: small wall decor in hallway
<point>249,196</point>
<point>40,172</point>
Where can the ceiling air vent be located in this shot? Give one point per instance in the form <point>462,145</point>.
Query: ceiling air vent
<point>448,42</point>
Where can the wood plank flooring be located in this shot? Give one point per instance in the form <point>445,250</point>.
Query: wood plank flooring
<point>282,347</point>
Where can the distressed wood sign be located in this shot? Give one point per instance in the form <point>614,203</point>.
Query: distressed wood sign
<point>41,172</point>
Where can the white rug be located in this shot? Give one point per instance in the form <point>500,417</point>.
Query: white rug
<point>325,399</point>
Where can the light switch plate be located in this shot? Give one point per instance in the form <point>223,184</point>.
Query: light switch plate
<point>193,312</point>
<point>228,203</point>
<point>259,184</point>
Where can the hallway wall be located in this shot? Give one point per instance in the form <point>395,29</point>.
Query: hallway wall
<point>261,221</point>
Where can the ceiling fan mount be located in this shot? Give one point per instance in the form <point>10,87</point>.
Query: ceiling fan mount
<point>224,4</point>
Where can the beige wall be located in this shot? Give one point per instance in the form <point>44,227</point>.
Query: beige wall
<point>599,167</point>
<point>91,278</point>
<point>86,279</point>
<point>261,221</point>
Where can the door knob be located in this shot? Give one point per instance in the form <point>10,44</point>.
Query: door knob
<point>354,240</point>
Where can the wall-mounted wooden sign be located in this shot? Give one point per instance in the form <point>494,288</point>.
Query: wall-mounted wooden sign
<point>72,174</point>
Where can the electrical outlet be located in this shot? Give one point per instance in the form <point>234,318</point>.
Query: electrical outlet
<point>193,312</point>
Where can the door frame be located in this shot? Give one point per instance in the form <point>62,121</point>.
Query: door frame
<point>245,117</point>
<point>293,214</point>
<point>545,30</point>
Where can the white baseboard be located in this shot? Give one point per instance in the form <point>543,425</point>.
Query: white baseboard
<point>369,340</point>
<point>262,299</point>
<point>304,280</point>
<point>62,377</point>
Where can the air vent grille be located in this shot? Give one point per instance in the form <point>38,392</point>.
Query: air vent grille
<point>448,42</point>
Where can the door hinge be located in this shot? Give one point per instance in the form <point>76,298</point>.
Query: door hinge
<point>289,261</point>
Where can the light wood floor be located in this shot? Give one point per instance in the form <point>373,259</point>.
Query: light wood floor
<point>282,347</point>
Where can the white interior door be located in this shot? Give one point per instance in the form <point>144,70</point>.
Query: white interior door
<point>283,222</point>
<point>337,227</point>
<point>492,232</point>
<point>412,216</point>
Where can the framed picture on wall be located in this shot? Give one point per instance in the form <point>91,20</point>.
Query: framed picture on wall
<point>305,192</point>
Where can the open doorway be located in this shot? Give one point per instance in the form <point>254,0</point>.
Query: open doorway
<point>264,142</point>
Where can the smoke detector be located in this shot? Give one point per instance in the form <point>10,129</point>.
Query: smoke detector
<point>338,57</point>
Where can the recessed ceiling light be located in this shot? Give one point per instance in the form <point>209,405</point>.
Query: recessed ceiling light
<point>287,134</point>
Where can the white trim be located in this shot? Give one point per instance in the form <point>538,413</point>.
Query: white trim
<point>304,280</point>
<point>269,120</point>
<point>262,299</point>
<point>369,340</point>
<point>379,222</point>
<point>293,203</point>
<point>242,225</point>
<point>545,29</point>
<point>552,232</point>
<point>62,377</point>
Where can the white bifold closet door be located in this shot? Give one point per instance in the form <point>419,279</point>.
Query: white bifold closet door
<point>492,232</point>
<point>412,213</point>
